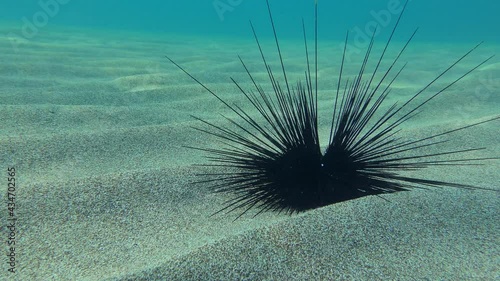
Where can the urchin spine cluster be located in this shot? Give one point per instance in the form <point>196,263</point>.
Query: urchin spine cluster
<point>277,163</point>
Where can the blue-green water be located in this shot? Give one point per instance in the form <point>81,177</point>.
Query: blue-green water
<point>439,20</point>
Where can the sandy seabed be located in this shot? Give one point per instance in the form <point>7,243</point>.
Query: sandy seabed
<point>95,124</point>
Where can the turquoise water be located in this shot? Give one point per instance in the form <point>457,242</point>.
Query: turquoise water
<point>439,20</point>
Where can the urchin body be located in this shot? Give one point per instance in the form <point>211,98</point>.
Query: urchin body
<point>303,179</point>
<point>277,163</point>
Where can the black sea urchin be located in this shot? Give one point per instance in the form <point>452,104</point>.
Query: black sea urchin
<point>277,163</point>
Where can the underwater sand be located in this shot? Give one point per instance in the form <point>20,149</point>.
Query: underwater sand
<point>95,125</point>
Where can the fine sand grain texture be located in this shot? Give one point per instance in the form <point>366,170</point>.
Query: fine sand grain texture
<point>95,125</point>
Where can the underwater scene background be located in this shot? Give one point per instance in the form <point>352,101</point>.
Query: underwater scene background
<point>95,122</point>
<point>440,20</point>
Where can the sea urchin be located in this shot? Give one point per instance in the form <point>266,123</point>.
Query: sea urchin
<point>277,163</point>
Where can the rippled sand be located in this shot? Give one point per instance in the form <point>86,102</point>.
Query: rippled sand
<point>96,125</point>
